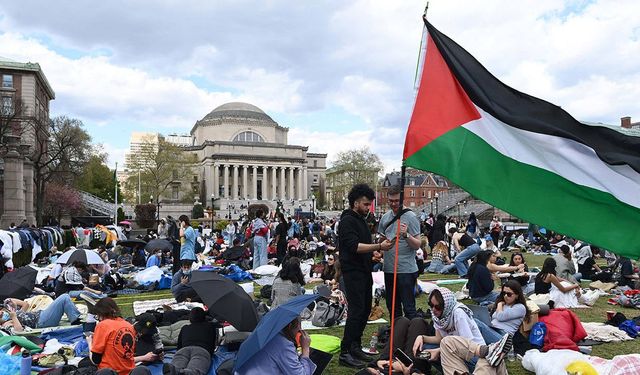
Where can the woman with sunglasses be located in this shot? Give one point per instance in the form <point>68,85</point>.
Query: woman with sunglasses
<point>508,313</point>
<point>450,318</point>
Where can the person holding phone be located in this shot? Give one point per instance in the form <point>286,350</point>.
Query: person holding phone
<point>355,244</point>
<point>409,242</point>
<point>15,317</point>
<point>187,239</point>
<point>450,318</point>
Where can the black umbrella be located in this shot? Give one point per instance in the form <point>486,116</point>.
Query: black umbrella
<point>158,244</point>
<point>134,242</point>
<point>225,299</point>
<point>18,284</point>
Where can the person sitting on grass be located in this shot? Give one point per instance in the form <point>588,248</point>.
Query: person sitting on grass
<point>288,284</point>
<point>456,352</point>
<point>517,259</point>
<point>508,313</point>
<point>280,357</point>
<point>481,280</point>
<point>440,257</point>
<point>16,317</point>
<point>180,287</point>
<point>547,278</point>
<point>450,318</point>
<point>196,344</point>
<point>113,344</point>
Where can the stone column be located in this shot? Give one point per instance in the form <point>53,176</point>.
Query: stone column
<point>13,191</point>
<point>29,208</point>
<point>273,183</point>
<point>305,183</point>
<point>245,169</point>
<point>255,182</point>
<point>298,183</point>
<point>216,180</point>
<point>226,181</point>
<point>290,192</point>
<point>282,184</point>
<point>234,183</point>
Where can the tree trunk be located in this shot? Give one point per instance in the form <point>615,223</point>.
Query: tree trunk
<point>39,197</point>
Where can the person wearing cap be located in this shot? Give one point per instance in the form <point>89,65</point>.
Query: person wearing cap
<point>149,347</point>
<point>490,245</point>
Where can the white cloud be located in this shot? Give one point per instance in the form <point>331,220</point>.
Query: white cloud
<point>171,67</point>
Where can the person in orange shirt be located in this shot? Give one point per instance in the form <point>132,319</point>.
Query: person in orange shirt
<point>112,346</point>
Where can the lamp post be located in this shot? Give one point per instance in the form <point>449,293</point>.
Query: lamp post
<point>313,205</point>
<point>431,203</point>
<point>436,196</point>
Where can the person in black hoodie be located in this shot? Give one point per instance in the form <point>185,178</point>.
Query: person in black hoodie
<point>355,244</point>
<point>437,232</point>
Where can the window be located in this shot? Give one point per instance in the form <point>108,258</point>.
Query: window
<point>315,164</point>
<point>175,190</point>
<point>423,193</point>
<point>315,178</point>
<point>7,80</point>
<point>429,194</point>
<point>248,136</point>
<point>412,193</point>
<point>7,106</point>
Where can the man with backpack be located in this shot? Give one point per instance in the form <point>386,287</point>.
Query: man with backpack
<point>409,242</point>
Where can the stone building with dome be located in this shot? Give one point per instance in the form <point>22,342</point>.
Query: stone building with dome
<point>244,157</point>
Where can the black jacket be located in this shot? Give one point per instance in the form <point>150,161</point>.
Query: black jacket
<point>353,230</point>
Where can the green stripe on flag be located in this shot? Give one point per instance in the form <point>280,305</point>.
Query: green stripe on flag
<point>531,193</point>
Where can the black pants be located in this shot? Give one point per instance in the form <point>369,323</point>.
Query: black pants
<point>357,286</point>
<point>496,237</point>
<point>191,294</point>
<point>281,252</point>
<point>405,294</point>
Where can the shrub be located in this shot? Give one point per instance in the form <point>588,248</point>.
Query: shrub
<point>145,215</point>
<point>197,211</point>
<point>221,224</point>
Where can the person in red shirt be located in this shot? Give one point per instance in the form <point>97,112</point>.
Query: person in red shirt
<point>112,346</point>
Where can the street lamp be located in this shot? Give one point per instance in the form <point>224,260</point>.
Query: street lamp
<point>436,196</point>
<point>431,203</point>
<point>313,205</point>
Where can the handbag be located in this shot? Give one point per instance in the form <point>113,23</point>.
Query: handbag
<point>327,313</point>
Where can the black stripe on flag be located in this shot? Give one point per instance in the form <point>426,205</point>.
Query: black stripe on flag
<point>526,112</point>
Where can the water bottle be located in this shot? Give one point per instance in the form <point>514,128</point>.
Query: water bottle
<point>25,363</point>
<point>511,356</point>
<point>373,343</point>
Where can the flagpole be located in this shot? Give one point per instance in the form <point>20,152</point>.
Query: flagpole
<point>403,171</point>
<point>115,177</point>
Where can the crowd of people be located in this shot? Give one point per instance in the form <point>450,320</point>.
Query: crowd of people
<point>344,251</point>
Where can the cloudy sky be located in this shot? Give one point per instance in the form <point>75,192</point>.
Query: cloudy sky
<point>339,74</point>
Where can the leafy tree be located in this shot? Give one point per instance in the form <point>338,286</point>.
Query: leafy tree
<point>161,165</point>
<point>61,200</point>
<point>96,178</point>
<point>61,149</point>
<point>352,167</point>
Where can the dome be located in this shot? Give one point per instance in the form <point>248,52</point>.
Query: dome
<point>238,110</point>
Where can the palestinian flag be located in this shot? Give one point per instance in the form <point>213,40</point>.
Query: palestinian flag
<point>523,154</point>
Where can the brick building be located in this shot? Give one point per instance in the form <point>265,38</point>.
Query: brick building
<point>419,191</point>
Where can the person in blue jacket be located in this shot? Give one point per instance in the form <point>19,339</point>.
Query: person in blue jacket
<point>155,258</point>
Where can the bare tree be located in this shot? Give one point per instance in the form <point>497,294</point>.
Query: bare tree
<point>61,148</point>
<point>11,117</point>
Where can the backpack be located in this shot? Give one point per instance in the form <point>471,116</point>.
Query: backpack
<point>265,292</point>
<point>327,314</point>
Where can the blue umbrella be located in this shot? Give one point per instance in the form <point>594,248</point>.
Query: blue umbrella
<point>270,325</point>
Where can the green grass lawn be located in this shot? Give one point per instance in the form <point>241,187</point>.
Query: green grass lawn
<point>595,314</point>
